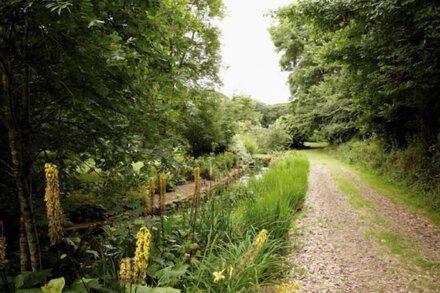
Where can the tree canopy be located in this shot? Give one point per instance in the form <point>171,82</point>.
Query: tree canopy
<point>362,67</point>
<point>101,80</point>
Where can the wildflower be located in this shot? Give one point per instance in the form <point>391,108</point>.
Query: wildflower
<point>287,287</point>
<point>162,190</point>
<point>197,182</point>
<point>250,255</point>
<point>151,189</point>
<point>125,270</point>
<point>52,198</point>
<point>260,239</point>
<point>196,195</point>
<point>141,254</point>
<point>218,276</point>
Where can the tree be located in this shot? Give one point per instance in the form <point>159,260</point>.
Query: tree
<point>207,127</point>
<point>95,79</point>
<point>373,65</point>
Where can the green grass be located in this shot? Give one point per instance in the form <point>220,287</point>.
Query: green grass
<point>270,203</point>
<point>278,195</point>
<point>405,251</point>
<point>398,192</point>
<point>88,177</point>
<point>353,192</point>
<point>413,261</point>
<point>316,145</point>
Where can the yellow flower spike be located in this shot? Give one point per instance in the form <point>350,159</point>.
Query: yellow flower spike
<point>125,270</point>
<point>260,239</point>
<point>141,255</point>
<point>2,250</point>
<point>197,181</point>
<point>196,196</point>
<point>218,276</point>
<point>52,198</point>
<point>162,191</point>
<point>250,255</point>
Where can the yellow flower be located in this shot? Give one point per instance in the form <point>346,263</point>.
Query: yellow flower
<point>125,270</point>
<point>218,276</point>
<point>250,255</point>
<point>141,254</point>
<point>52,198</point>
<point>197,181</point>
<point>287,288</point>
<point>162,191</point>
<point>260,239</point>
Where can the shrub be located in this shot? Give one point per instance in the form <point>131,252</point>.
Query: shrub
<point>250,144</point>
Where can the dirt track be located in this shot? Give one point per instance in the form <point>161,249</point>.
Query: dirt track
<point>341,247</point>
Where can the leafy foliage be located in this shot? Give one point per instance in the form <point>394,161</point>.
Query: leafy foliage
<point>96,81</point>
<point>360,67</point>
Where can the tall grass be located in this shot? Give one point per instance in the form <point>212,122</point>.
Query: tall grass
<point>270,204</point>
<point>278,195</point>
<point>224,237</point>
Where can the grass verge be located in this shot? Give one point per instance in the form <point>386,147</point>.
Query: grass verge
<point>245,265</point>
<point>278,195</point>
<point>398,191</point>
<point>404,249</point>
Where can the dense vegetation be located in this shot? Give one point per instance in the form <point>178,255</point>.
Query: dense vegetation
<point>366,70</point>
<point>107,103</point>
<point>93,80</point>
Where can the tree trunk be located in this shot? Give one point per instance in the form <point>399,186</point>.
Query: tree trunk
<point>24,251</point>
<point>20,170</point>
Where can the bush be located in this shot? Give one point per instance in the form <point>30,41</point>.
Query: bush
<point>239,149</point>
<point>250,144</point>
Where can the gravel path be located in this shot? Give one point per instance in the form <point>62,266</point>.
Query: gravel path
<point>335,253</point>
<point>409,224</point>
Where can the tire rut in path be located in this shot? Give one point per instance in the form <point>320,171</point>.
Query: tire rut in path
<point>411,225</point>
<point>334,253</point>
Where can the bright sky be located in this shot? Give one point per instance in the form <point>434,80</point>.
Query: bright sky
<point>250,63</point>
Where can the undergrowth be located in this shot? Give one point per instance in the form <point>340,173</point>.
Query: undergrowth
<point>410,176</point>
<point>272,202</point>
<point>237,244</point>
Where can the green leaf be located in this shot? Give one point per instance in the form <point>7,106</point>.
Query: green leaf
<point>145,289</point>
<point>30,279</point>
<point>54,286</point>
<point>171,275</point>
<point>84,285</point>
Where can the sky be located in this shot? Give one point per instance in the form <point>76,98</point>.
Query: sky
<point>250,64</point>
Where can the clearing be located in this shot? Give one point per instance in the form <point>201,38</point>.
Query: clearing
<point>354,239</point>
